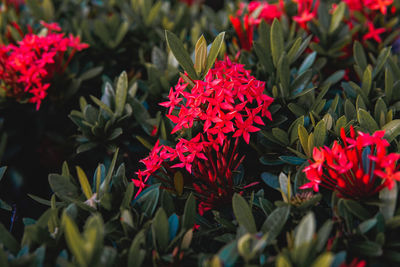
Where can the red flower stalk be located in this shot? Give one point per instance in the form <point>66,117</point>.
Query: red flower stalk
<point>28,67</point>
<point>358,169</point>
<point>228,101</point>
<point>213,177</point>
<point>245,32</point>
<point>306,11</point>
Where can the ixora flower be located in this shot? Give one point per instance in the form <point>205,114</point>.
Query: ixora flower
<point>226,105</point>
<point>229,101</point>
<point>27,68</point>
<point>357,169</point>
<point>306,11</point>
<point>251,15</point>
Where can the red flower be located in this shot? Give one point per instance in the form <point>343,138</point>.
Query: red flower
<point>28,67</point>
<point>380,5</point>
<point>306,11</point>
<point>358,169</point>
<point>229,100</point>
<point>373,33</point>
<point>257,11</point>
<point>245,32</point>
<point>228,103</point>
<point>354,263</point>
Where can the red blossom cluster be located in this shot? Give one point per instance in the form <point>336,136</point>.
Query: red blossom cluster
<point>229,100</point>
<point>226,104</point>
<point>357,169</point>
<point>369,9</point>
<point>306,11</point>
<point>252,15</point>
<point>27,68</point>
<point>249,16</point>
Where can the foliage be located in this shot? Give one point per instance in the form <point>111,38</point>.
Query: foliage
<point>260,133</point>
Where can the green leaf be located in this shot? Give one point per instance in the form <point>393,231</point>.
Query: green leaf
<point>337,17</point>
<point>180,54</point>
<point>320,134</point>
<point>388,85</point>
<point>84,182</point>
<point>285,187</point>
<point>293,50</point>
<point>160,230</point>
<point>367,81</point>
<point>137,253</point>
<point>277,42</point>
<point>307,63</point>
<point>365,226</point>
<point>214,51</point>
<point>128,196</point>
<point>303,137</point>
<point>91,73</point>
<point>359,55</point>
<point>392,130</point>
<point>148,200</point>
<point>62,186</point>
<point>284,74</point>
<point>366,121</point>
<point>189,213</point>
<point>5,206</point>
<point>200,55</point>
<point>243,213</point>
<point>324,260</point>
<point>281,136</point>
<point>380,62</point>
<point>2,171</point>
<point>367,248</point>
<point>121,93</point>
<point>8,240</point>
<point>389,198</point>
<point>275,222</point>
<point>282,261</point>
<point>187,239</point>
<point>74,240</point>
<point>102,105</point>
<point>357,209</point>
<point>305,231</point>
<point>106,183</point>
<point>323,235</point>
<point>263,57</point>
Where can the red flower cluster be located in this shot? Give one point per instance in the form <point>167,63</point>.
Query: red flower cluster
<point>229,100</point>
<point>369,9</point>
<point>306,11</point>
<point>359,169</point>
<point>358,5</point>
<point>29,66</point>
<point>255,12</point>
<point>227,103</point>
<point>185,153</point>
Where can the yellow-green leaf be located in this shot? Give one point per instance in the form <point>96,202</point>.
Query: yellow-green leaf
<point>84,182</point>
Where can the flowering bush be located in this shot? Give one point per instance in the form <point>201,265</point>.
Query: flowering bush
<point>28,67</point>
<point>277,144</point>
<point>355,169</point>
